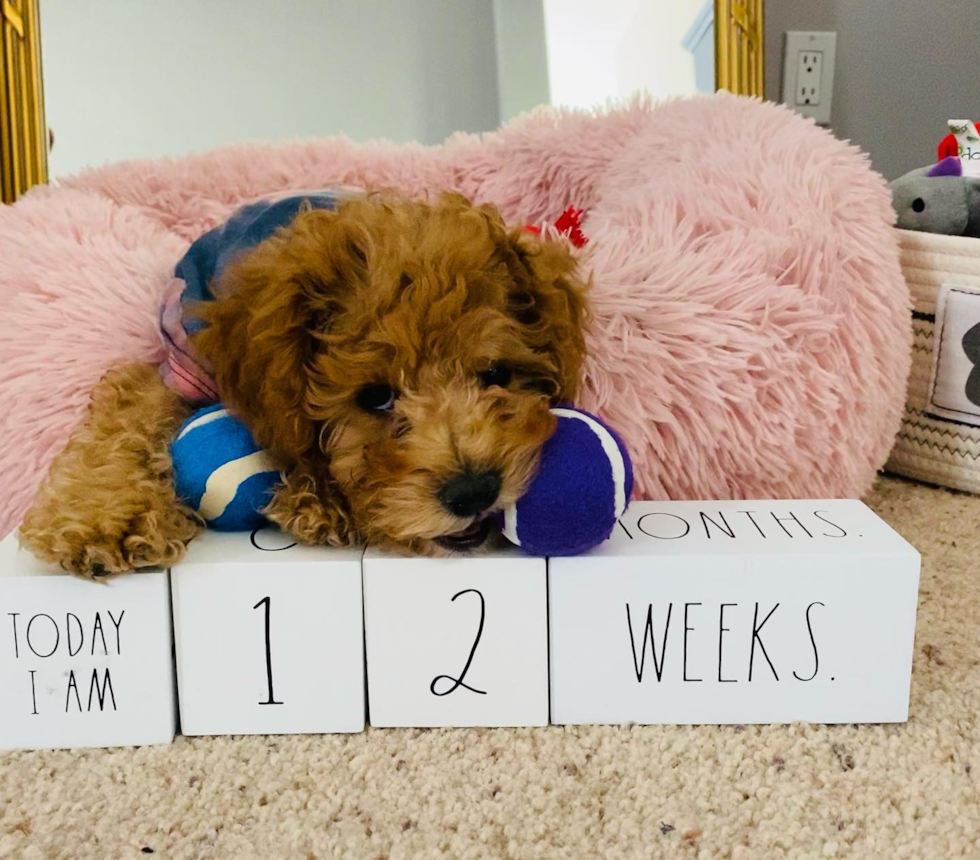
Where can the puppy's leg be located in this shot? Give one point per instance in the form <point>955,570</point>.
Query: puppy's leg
<point>312,508</point>
<point>108,503</point>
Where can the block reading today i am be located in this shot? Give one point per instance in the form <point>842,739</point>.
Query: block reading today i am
<point>736,612</point>
<point>83,663</point>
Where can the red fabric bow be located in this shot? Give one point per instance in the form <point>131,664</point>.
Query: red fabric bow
<point>569,224</point>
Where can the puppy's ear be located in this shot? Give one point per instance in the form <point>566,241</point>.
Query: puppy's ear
<point>549,303</point>
<point>264,330</point>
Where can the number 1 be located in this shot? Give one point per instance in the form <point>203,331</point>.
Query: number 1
<point>268,650</point>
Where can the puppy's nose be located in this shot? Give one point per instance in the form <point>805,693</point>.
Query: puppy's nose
<point>470,494</point>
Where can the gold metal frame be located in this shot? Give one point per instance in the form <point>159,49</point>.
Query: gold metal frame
<point>23,134</point>
<point>739,47</point>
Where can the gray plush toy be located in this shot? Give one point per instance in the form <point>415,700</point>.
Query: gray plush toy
<point>938,199</point>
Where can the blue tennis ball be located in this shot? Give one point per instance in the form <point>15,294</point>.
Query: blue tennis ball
<point>583,484</point>
<point>220,471</point>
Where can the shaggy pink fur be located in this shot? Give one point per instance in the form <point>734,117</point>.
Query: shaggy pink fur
<point>751,336</point>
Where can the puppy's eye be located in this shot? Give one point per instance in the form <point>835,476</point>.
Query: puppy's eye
<point>918,204</point>
<point>376,398</point>
<point>496,374</point>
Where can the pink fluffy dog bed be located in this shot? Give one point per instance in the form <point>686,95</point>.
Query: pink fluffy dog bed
<point>751,334</point>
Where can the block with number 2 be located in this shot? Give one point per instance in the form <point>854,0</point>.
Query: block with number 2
<point>269,636</point>
<point>457,641</point>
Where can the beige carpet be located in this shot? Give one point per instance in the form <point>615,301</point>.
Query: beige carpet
<point>755,792</point>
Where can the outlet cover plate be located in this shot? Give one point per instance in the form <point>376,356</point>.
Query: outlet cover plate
<point>797,43</point>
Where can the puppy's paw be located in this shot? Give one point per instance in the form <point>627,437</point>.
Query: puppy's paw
<point>312,511</point>
<point>96,550</point>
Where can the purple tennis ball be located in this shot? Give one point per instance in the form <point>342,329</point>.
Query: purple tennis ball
<point>583,484</point>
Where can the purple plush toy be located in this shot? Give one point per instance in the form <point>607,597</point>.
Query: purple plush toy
<point>584,482</point>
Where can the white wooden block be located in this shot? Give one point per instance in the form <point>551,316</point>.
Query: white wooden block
<point>270,636</point>
<point>457,641</point>
<point>83,663</point>
<point>736,612</point>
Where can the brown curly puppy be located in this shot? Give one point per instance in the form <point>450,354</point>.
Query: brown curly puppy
<point>397,358</point>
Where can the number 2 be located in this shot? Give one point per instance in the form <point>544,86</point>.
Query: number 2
<point>459,682</point>
<point>268,650</point>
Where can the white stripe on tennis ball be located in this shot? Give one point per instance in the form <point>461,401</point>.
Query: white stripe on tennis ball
<point>223,482</point>
<point>204,419</point>
<point>613,454</point>
<point>510,525</point>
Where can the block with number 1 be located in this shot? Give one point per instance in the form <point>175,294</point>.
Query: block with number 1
<point>269,636</point>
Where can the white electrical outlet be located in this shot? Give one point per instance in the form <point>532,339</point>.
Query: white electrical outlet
<point>809,67</point>
<point>808,73</point>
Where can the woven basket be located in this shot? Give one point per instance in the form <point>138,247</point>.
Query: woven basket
<point>940,437</point>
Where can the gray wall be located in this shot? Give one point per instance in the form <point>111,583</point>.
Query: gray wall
<point>142,78</point>
<point>522,59</point>
<point>904,67</point>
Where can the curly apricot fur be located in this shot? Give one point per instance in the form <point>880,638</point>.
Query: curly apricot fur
<point>108,503</point>
<point>421,297</point>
